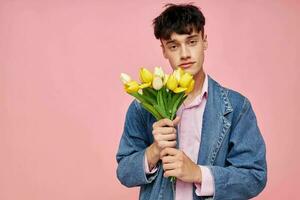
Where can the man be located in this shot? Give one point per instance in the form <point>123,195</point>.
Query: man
<point>213,147</point>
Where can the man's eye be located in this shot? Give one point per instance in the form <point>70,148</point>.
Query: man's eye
<point>173,47</point>
<point>193,42</point>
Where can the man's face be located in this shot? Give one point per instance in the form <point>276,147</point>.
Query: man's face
<point>186,51</point>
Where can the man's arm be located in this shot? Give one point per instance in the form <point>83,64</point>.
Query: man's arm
<point>246,173</point>
<point>134,148</point>
<point>130,156</point>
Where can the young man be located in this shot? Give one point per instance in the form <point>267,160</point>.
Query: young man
<point>214,147</point>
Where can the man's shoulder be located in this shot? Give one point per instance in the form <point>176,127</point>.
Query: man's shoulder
<point>236,100</point>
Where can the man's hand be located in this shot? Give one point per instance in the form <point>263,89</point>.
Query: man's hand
<point>179,165</point>
<point>164,134</point>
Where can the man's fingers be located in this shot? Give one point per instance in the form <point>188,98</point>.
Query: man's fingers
<point>176,121</point>
<point>168,159</point>
<point>169,166</point>
<point>168,137</point>
<point>168,151</point>
<point>164,130</point>
<point>169,173</point>
<point>167,144</point>
<point>162,123</point>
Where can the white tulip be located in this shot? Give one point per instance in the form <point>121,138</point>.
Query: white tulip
<point>125,78</point>
<point>157,83</point>
<point>178,73</point>
<point>158,71</point>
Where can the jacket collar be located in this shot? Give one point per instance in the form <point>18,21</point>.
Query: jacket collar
<point>221,93</point>
<point>215,125</point>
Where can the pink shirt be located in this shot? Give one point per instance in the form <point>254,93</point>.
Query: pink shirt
<point>189,137</point>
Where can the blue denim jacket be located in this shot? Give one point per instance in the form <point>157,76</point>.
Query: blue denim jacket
<point>231,146</point>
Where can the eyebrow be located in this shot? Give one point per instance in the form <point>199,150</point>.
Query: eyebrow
<point>170,41</point>
<point>193,36</point>
<point>189,37</point>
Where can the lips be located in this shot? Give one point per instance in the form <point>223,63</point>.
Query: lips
<point>186,65</point>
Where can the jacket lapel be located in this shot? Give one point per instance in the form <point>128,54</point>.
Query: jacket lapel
<point>214,125</point>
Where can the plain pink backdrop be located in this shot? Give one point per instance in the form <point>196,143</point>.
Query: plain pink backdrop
<point>62,106</point>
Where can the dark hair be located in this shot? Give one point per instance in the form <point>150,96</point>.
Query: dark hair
<point>181,19</point>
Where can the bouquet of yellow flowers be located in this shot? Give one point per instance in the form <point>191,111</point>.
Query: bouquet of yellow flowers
<point>159,93</point>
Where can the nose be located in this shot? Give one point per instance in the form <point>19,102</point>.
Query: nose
<point>185,53</point>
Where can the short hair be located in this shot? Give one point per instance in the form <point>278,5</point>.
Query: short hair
<point>181,19</point>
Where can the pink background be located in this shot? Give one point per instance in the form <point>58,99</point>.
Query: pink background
<point>62,105</point>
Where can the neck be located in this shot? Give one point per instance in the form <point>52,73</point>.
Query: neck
<point>199,81</point>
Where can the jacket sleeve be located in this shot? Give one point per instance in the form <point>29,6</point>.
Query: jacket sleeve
<point>246,173</point>
<point>130,156</point>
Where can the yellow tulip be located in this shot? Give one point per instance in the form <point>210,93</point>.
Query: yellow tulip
<point>158,71</point>
<point>157,83</point>
<point>166,79</point>
<point>172,83</point>
<point>185,80</point>
<point>190,87</point>
<point>145,85</point>
<point>145,75</point>
<point>179,89</point>
<point>125,78</point>
<point>131,87</point>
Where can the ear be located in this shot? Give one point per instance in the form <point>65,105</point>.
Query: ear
<point>205,43</point>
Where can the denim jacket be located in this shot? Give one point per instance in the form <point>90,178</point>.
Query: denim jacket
<point>231,146</point>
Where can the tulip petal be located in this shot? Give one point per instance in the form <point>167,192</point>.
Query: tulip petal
<point>145,75</point>
<point>157,83</point>
<point>179,89</point>
<point>190,87</point>
<point>145,85</point>
<point>125,78</point>
<point>131,87</point>
<point>185,80</point>
<point>158,71</point>
<point>172,82</point>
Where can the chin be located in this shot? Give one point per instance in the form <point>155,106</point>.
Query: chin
<point>191,71</point>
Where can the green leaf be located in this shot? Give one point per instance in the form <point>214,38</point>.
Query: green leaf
<point>160,101</point>
<point>143,98</point>
<point>149,92</point>
<point>152,110</point>
<point>137,96</point>
<point>161,111</point>
<point>174,97</point>
<point>168,102</point>
<point>175,106</point>
<point>147,98</point>
<point>181,101</point>
<point>165,100</point>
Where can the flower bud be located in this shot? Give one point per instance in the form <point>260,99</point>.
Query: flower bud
<point>179,89</point>
<point>158,71</point>
<point>166,78</point>
<point>157,83</point>
<point>125,78</point>
<point>132,87</point>
<point>172,83</point>
<point>190,87</point>
<point>178,73</point>
<point>145,75</point>
<point>185,80</point>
